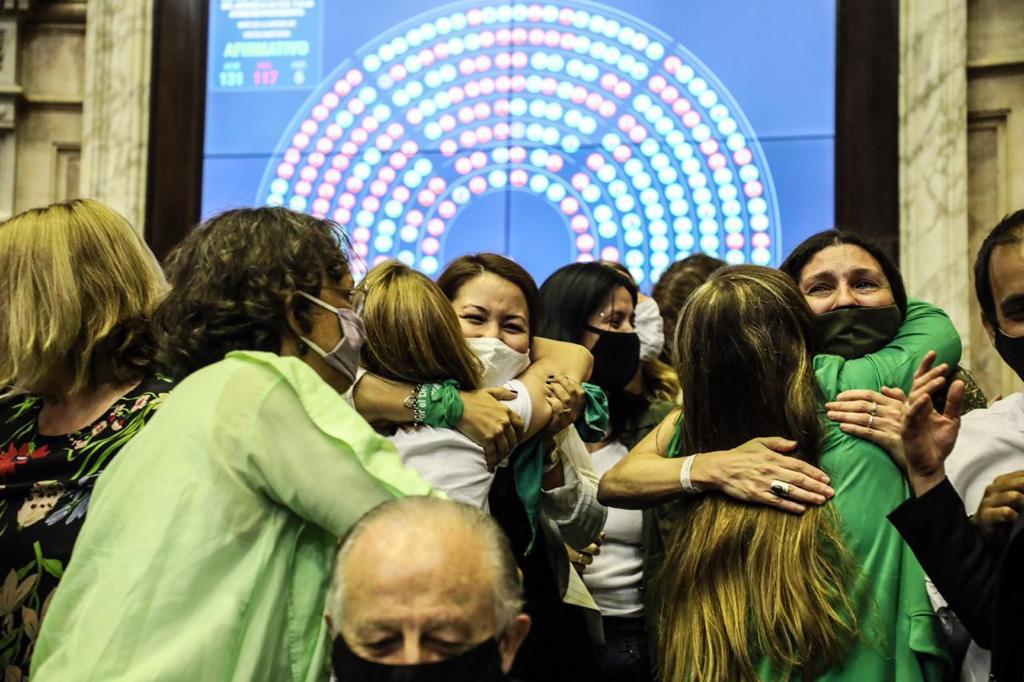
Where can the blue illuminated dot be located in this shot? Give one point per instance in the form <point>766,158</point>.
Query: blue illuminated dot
<point>734,257</point>
<point>433,79</point>
<point>490,15</point>
<point>383,242</point>
<point>553,111</point>
<point>461,194</point>
<point>757,205</point>
<point>279,186</point>
<point>717,112</point>
<point>414,89</point>
<point>761,256</point>
<point>497,178</point>
<point>588,125</point>
<point>667,176</point>
<point>649,196</point>
<point>735,141</point>
<point>649,147</point>
<point>504,14</point>
<point>393,209</point>
<point>663,126</point>
<point>684,241</point>
<point>685,73</point>
<point>708,227</point>
<point>582,44</point>
<point>655,51</point>
<point>534,132</point>
<point>571,144</point>
<point>582,19</point>
<point>423,166</point>
<point>675,139</point>
<point>612,28</point>
<point>654,211</point>
<point>759,223</point>
<point>596,23</point>
<point>654,114</point>
<point>625,203</point>
<point>556,63</point>
<point>573,116</point>
<point>722,176</point>
<point>372,156</point>
<point>727,126</point>
<point>400,45</point>
<point>411,179</point>
<point>539,183</point>
<point>659,243</point>
<point>691,166</point>
<point>627,62</point>
<point>409,233</point>
<point>537,107</point>
<point>633,238</point>
<point>591,193</point>
<point>368,95</point>
<point>641,103</point>
<point>674,191</point>
<point>612,55</point>
<point>707,98</point>
<point>448,73</point>
<point>362,170</point>
<point>709,243</point>
<point>415,37</point>
<point>344,119</point>
<point>371,63</point>
<point>697,86</point>
<point>634,258</point>
<point>442,99</point>
<point>407,258</point>
<point>556,193</point>
<point>731,207</point>
<point>659,261</point>
<point>658,227</point>
<point>633,166</point>
<point>517,106</point>
<point>428,108</point>
<point>698,180</point>
<point>574,67</point>
<point>275,200</point>
<point>429,265</point>
<point>631,221</point>
<point>550,136</point>
<point>660,161</point>
<point>706,211</point>
<point>637,274</point>
<point>444,26</point>
<point>472,42</point>
<point>534,83</point>
<point>606,173</point>
<point>679,207</point>
<point>617,188</point>
<point>602,213</point>
<point>428,31</point>
<point>590,73</point>
<point>364,218</point>
<point>684,153</point>
<point>382,112</point>
<point>748,173</point>
<point>733,224</point>
<point>701,132</point>
<point>500,155</point>
<point>385,81</point>
<point>702,195</point>
<point>642,181</point>
<point>387,227</point>
<point>640,71</point>
<point>727,192</point>
<point>549,14</point>
<point>539,157</point>
<point>640,41</point>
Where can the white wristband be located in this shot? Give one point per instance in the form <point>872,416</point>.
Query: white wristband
<point>684,476</point>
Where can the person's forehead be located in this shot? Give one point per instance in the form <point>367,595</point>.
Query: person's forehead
<point>1006,270</point>
<point>491,291</point>
<point>838,260</point>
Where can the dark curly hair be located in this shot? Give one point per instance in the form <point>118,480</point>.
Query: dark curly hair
<point>230,279</point>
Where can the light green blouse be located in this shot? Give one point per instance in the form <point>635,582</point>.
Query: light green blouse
<point>207,550</point>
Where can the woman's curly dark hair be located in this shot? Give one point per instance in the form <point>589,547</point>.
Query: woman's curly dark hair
<point>230,279</point>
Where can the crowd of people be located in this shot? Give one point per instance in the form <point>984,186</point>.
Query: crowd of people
<point>259,461</point>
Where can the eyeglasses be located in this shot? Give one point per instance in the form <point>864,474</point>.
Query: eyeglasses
<point>356,297</point>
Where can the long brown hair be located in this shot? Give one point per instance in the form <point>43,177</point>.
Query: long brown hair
<point>412,333</point>
<point>742,582</point>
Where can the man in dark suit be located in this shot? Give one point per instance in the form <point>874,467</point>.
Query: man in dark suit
<point>982,581</point>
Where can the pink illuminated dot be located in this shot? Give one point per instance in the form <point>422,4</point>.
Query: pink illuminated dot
<point>398,160</point>
<point>466,66</point>
<point>565,16</point>
<point>518,83</point>
<point>409,148</point>
<point>360,136</point>
<point>610,253</point>
<point>502,131</point>
<point>681,106</point>
<point>691,118</point>
<point>361,234</point>
<point>742,156</point>
<point>398,72</point>
<point>487,39</point>
<point>285,170</point>
<point>622,153</point>
<point>430,246</point>
<point>395,130</point>
<point>501,107</point>
<point>309,127</point>
<point>377,260</point>
<point>473,89</point>
<point>503,36</point>
<point>354,185</point>
<point>568,42</point>
<point>555,163</point>
<point>548,86</point>
<point>361,249</point>
<point>342,216</point>
<point>482,63</point>
<point>520,60</point>
<point>673,63</point>
<point>579,95</point>
<point>593,101</point>
<point>457,94</point>
<point>371,204</point>
<point>753,189</point>
<point>300,140</point>
<point>441,51</point>
<point>518,177</point>
<point>536,37</point>
<point>329,100</point>
<point>401,194</point>
<point>716,161</point>
<point>384,143</point>
<point>463,166</point>
<point>436,185</point>
<point>349,148</point>
<point>332,176</point>
<point>414,117</point>
<point>465,115</point>
<point>534,13</point>
<point>426,198</point>
<point>342,88</point>
<point>435,227</point>
<point>356,106</point>
<point>387,174</point>
<point>579,224</point>
<point>734,241</point>
<point>569,205</point>
<point>333,131</point>
<point>608,81</point>
<point>595,161</point>
<point>447,123</point>
<point>446,209</point>
<point>517,154</point>
<point>426,57</point>
<point>378,188</point>
<point>449,147</point>
<point>484,134</point>
<point>370,125</point>
<point>585,258</point>
<point>477,185</point>
<point>503,60</point>
<point>415,218</point>
<point>326,191</point>
<point>308,174</point>
<point>354,77</point>
<point>638,134</point>
<point>487,86</point>
<point>320,113</point>
<point>481,110</point>
<point>552,38</point>
<point>669,95</point>
<point>292,156</point>
<point>657,83</point>
<point>474,17</point>
<point>340,162</point>
<point>623,89</point>
<point>760,240</point>
<point>585,243</point>
<point>626,123</point>
<point>580,181</point>
<point>317,159</point>
<point>519,36</point>
<point>467,138</point>
<point>478,159</point>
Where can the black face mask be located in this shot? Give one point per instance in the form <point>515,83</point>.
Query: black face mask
<point>616,358</point>
<point>1011,350</point>
<point>855,332</point>
<point>482,663</point>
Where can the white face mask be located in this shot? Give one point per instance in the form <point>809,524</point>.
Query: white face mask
<point>648,326</point>
<point>500,362</point>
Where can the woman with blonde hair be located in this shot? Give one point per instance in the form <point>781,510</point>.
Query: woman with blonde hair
<point>747,592</point>
<point>78,287</point>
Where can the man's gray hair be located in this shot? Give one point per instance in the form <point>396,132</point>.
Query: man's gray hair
<point>414,513</point>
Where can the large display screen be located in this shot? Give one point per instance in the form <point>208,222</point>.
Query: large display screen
<point>638,131</point>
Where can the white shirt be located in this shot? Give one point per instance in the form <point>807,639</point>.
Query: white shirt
<point>615,576</point>
<point>990,444</point>
<point>450,461</point>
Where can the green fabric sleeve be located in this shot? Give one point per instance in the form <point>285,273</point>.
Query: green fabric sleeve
<point>441,404</point>
<point>593,423</point>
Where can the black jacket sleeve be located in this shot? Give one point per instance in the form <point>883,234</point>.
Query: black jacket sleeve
<point>954,554</point>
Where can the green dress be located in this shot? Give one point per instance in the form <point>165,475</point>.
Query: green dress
<point>901,639</point>
<point>207,551</point>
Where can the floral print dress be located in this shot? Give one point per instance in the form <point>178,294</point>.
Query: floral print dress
<point>45,485</point>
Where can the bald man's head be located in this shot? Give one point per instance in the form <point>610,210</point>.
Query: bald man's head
<point>421,579</point>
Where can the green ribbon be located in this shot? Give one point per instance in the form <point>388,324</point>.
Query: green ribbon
<point>675,446</point>
<point>592,425</point>
<point>440,404</point>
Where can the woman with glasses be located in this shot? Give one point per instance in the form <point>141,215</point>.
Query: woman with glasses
<point>207,550</point>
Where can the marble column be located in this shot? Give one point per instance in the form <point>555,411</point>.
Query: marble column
<point>933,155</point>
<point>115,126</point>
<point>10,92</point>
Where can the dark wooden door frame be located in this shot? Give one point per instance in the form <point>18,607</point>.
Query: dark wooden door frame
<point>867,120</point>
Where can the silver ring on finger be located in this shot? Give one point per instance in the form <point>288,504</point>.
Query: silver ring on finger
<point>874,408</point>
<point>871,421</point>
<point>779,488</point>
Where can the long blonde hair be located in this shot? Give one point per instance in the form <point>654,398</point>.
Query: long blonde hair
<point>78,286</point>
<point>412,333</point>
<point>743,582</point>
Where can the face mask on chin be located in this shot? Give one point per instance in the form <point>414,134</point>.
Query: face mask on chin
<point>500,363</point>
<point>1011,350</point>
<point>855,332</point>
<point>616,358</point>
<point>482,663</point>
<point>650,328</point>
<point>344,357</point>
